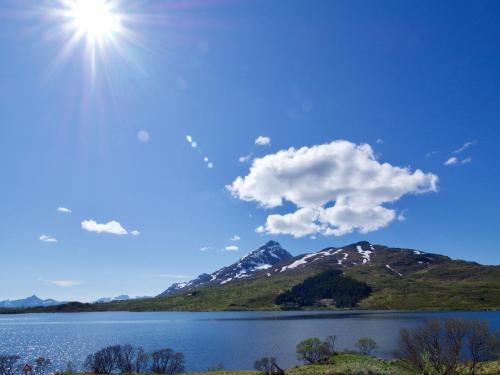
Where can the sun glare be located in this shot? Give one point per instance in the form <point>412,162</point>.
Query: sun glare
<point>94,18</point>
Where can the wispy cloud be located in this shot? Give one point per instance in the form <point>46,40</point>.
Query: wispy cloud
<point>143,136</point>
<point>64,210</point>
<point>402,215</point>
<point>135,233</point>
<point>235,238</point>
<point>263,141</point>
<point>232,248</point>
<point>47,238</point>
<point>465,147</point>
<point>205,248</point>
<point>246,158</point>
<point>112,227</point>
<point>456,161</point>
<point>63,283</point>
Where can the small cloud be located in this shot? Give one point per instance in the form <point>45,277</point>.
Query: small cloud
<point>112,227</point>
<point>205,248</point>
<point>260,229</point>
<point>64,210</point>
<point>64,283</point>
<point>143,136</point>
<point>451,161</point>
<point>135,233</point>
<point>379,141</point>
<point>456,161</point>
<point>246,158</point>
<point>232,248</point>
<point>46,238</point>
<point>402,215</point>
<point>432,153</point>
<point>263,141</point>
<point>465,147</point>
<point>235,238</point>
<point>189,138</point>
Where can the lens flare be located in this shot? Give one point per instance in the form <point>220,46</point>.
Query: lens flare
<point>95,18</point>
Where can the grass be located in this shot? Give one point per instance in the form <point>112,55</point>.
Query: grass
<point>353,363</point>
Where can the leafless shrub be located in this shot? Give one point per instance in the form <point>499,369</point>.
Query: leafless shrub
<point>268,366</point>
<point>446,347</point>
<point>42,365</point>
<point>166,361</point>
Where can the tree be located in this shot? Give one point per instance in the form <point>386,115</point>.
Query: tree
<point>166,361</point>
<point>8,364</point>
<point>366,345</point>
<point>103,361</point>
<point>445,348</point>
<point>141,360</point>
<point>330,343</point>
<point>313,351</point>
<point>268,366</point>
<point>125,361</point>
<point>481,344</point>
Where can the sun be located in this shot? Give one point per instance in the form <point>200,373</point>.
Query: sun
<point>96,19</point>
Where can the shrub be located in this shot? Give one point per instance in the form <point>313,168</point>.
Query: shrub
<point>166,361</point>
<point>268,366</point>
<point>313,351</point>
<point>366,345</point>
<point>445,347</point>
<point>42,365</point>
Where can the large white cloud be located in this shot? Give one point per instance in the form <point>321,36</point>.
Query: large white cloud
<point>112,227</point>
<point>337,187</point>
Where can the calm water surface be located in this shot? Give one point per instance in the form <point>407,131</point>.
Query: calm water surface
<point>234,338</point>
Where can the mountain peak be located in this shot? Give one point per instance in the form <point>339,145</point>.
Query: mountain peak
<point>263,258</point>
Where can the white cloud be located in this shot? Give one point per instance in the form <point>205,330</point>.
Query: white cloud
<point>456,161</point>
<point>402,215</point>
<point>46,238</point>
<point>112,227</point>
<point>135,233</point>
<point>143,136</point>
<point>205,248</point>
<point>263,141</point>
<point>232,248</point>
<point>64,210</point>
<point>337,187</point>
<point>465,146</point>
<point>246,158</point>
<point>189,138</point>
<point>64,283</point>
<point>235,238</point>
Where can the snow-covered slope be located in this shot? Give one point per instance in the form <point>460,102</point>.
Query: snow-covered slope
<point>32,301</point>
<point>264,258</point>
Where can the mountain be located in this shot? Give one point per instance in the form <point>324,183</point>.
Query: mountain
<point>360,275</point>
<point>32,301</point>
<point>264,258</point>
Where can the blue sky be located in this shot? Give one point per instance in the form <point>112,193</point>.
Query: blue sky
<point>415,81</point>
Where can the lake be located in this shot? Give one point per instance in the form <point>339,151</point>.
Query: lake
<point>236,339</point>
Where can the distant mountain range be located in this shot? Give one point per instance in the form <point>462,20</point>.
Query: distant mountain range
<point>388,278</point>
<point>32,301</point>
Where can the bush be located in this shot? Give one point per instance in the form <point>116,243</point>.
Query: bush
<point>166,361</point>
<point>268,366</point>
<point>445,347</point>
<point>313,351</point>
<point>366,345</point>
